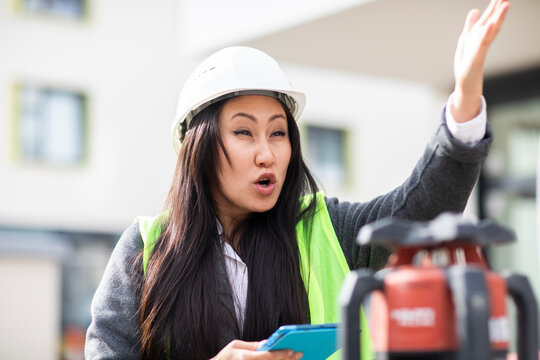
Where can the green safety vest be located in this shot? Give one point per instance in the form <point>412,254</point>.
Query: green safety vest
<point>323,269</point>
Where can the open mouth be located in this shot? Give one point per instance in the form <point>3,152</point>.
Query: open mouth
<point>266,180</point>
<point>265,184</point>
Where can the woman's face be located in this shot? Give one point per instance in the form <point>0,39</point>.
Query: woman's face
<point>255,134</point>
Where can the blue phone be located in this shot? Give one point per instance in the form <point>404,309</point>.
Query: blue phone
<point>316,342</point>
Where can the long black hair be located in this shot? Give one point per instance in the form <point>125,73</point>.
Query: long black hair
<point>182,304</point>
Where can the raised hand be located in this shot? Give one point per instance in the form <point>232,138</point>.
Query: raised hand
<point>477,36</point>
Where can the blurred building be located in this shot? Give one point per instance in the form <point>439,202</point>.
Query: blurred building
<point>88,90</point>
<point>87,93</point>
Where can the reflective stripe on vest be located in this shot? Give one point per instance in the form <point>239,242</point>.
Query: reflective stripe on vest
<point>323,269</point>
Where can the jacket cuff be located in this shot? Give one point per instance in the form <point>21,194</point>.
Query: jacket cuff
<point>458,150</point>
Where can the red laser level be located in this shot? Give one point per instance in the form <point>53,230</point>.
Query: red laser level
<point>437,298</point>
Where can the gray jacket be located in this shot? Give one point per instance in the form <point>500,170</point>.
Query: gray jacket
<point>441,181</point>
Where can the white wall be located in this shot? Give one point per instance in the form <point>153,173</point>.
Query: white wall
<point>389,123</point>
<point>126,58</point>
<point>239,21</point>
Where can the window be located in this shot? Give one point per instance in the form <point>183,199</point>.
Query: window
<point>49,126</point>
<point>81,273</point>
<point>62,8</point>
<point>326,155</point>
<point>63,269</point>
<point>509,181</point>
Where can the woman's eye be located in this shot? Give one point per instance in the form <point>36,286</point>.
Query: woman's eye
<point>242,132</point>
<point>278,133</point>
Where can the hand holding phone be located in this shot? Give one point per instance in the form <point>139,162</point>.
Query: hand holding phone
<point>238,349</point>
<point>316,342</point>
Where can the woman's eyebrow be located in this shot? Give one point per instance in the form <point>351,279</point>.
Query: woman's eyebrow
<point>253,118</point>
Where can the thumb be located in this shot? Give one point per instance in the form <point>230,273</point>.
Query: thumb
<point>249,345</point>
<point>472,18</point>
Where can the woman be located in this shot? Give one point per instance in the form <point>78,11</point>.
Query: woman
<point>246,243</point>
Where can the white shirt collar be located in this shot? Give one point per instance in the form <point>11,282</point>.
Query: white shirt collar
<point>228,250</point>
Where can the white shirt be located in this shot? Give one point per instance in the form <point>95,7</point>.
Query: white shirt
<point>238,278</point>
<point>469,132</point>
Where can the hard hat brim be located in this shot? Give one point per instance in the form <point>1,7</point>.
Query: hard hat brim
<point>294,100</point>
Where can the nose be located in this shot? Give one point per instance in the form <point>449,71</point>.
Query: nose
<point>264,156</point>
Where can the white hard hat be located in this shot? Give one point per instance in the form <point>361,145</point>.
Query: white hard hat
<point>232,71</point>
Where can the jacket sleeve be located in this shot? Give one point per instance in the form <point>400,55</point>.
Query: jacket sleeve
<point>442,180</point>
<point>114,330</point>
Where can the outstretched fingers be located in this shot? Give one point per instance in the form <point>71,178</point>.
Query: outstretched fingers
<point>485,27</point>
<point>486,15</point>
<point>494,14</point>
<point>497,19</point>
